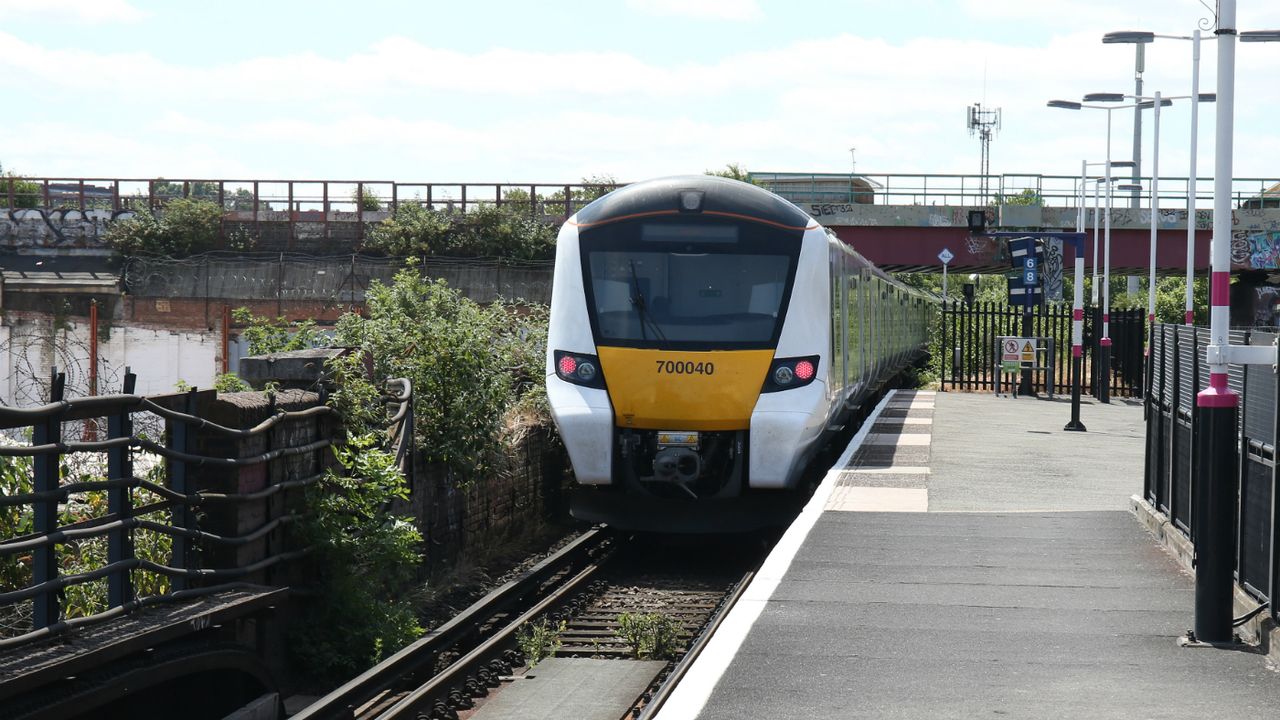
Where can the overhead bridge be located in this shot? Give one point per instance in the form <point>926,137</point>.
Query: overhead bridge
<point>902,222</point>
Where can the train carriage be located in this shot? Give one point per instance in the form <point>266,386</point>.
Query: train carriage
<point>706,338</point>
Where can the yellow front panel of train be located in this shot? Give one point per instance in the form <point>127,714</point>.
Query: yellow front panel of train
<point>676,390</point>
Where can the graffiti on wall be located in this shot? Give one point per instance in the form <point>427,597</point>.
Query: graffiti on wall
<point>1255,249</point>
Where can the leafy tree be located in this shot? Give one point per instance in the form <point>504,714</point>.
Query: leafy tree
<point>1028,198</point>
<point>733,171</point>
<point>593,188</point>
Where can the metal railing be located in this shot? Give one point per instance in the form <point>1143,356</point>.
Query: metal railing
<point>968,190</point>
<point>1178,373</point>
<point>353,200</point>
<point>968,358</point>
<point>308,200</point>
<point>171,500</point>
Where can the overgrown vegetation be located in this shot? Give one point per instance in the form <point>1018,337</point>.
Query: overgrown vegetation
<point>363,558</point>
<point>539,640</point>
<point>652,636</point>
<point>508,232</point>
<point>184,227</point>
<point>25,193</point>
<point>472,366</point>
<point>267,336</point>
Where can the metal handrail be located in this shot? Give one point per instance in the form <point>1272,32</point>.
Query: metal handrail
<point>177,498</point>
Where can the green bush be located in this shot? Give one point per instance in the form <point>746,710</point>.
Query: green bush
<point>362,560</point>
<point>412,230</point>
<point>469,364</point>
<point>506,231</point>
<point>26,193</point>
<point>184,227</point>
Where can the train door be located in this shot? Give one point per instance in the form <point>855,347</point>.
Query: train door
<point>846,300</point>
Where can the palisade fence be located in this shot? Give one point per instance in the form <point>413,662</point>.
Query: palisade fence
<point>141,500</point>
<point>969,359</point>
<point>1178,373</point>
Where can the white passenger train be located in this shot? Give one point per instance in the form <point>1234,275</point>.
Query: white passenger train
<point>706,338</point>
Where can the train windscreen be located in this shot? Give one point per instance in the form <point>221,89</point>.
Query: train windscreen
<point>691,286</point>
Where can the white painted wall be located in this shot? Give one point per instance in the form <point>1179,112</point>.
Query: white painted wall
<point>31,346</point>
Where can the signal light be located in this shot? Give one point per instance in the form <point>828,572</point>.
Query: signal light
<point>578,368</point>
<point>789,373</point>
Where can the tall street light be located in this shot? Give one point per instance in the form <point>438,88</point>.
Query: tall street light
<point>1104,360</point>
<point>1141,38</point>
<point>1159,102</point>
<point>1215,485</point>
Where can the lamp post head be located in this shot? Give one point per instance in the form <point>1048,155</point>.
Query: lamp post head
<point>1148,104</point>
<point>1104,97</point>
<point>1207,97</point>
<point>1260,36</point>
<point>1122,163</point>
<point>1064,104</point>
<point>1128,36</point>
<point>1128,187</point>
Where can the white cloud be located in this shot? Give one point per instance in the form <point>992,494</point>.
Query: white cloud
<point>700,9</point>
<point>406,110</point>
<point>86,11</point>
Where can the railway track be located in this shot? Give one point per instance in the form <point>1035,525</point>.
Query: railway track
<point>585,588</point>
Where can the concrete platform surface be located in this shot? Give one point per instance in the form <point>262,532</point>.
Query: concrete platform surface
<point>1023,588</point>
<point>579,688</point>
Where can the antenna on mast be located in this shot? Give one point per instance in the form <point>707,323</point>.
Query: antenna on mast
<point>985,123</point>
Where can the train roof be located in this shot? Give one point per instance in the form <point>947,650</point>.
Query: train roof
<point>719,196</point>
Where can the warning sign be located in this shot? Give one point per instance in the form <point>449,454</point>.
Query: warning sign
<point>1014,351</point>
<point>1028,351</point>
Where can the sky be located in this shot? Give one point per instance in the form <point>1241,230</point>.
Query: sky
<point>554,91</point>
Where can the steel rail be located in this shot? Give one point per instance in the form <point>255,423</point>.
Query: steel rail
<point>416,657</point>
<point>700,643</point>
<point>456,674</point>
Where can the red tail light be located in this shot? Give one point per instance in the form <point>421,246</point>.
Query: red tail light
<point>578,368</point>
<point>804,370</point>
<point>788,373</point>
<point>568,365</point>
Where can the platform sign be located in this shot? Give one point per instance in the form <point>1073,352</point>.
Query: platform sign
<point>1010,355</point>
<point>1015,351</point>
<point>1030,271</point>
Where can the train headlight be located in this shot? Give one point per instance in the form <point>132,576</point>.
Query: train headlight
<point>578,368</point>
<point>789,373</point>
<point>783,375</point>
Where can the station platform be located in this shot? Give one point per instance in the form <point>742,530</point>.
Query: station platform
<point>968,558</point>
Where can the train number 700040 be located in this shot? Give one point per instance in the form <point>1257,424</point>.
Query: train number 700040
<point>678,367</point>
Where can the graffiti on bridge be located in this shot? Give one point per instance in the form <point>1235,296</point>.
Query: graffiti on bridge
<point>1255,249</point>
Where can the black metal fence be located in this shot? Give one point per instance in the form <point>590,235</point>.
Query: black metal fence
<point>969,358</point>
<point>198,543</point>
<point>1178,373</point>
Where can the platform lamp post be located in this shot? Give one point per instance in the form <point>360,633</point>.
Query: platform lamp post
<point>1215,483</point>
<point>1104,353</point>
<point>1141,38</point>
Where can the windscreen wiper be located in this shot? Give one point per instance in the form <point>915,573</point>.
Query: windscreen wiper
<point>637,300</point>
